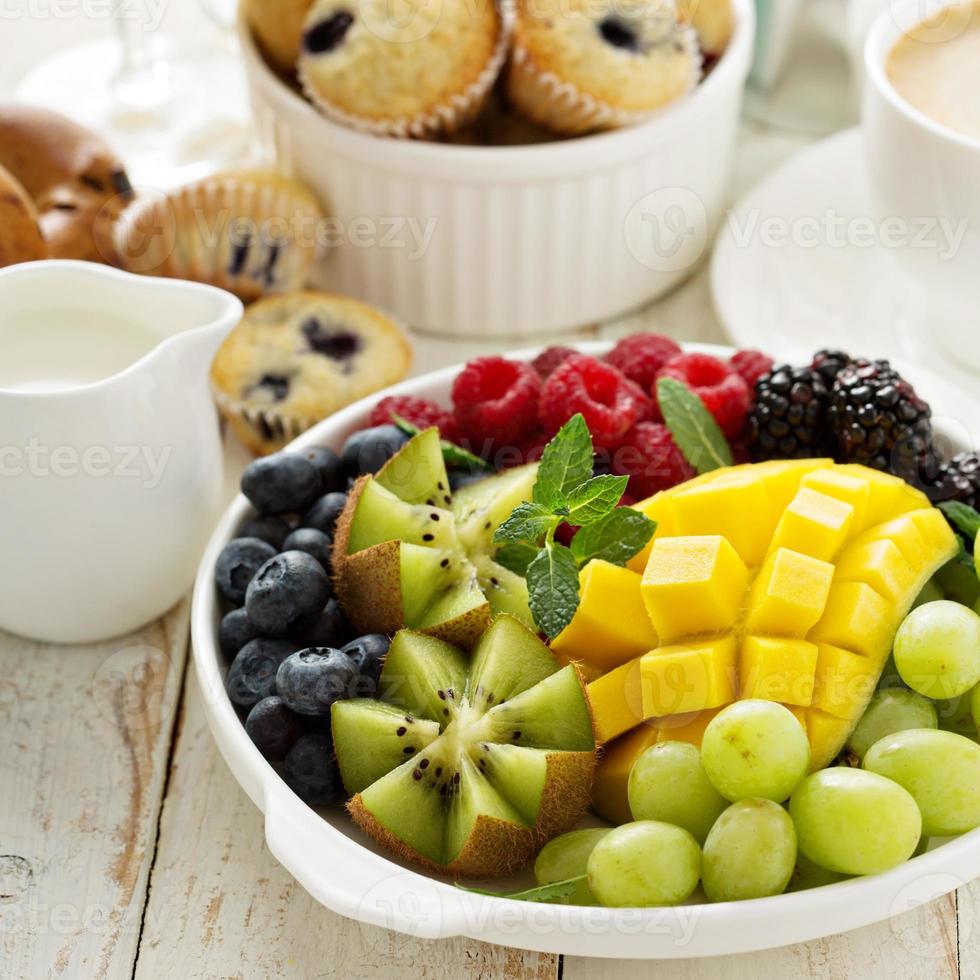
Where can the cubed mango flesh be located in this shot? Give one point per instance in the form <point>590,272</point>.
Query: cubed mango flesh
<point>689,677</point>
<point>826,734</point>
<point>616,701</point>
<point>845,487</point>
<point>610,788</point>
<point>879,564</point>
<point>735,505</point>
<point>777,669</point>
<point>813,524</point>
<point>693,585</point>
<point>611,625</point>
<point>659,509</point>
<point>788,595</point>
<point>842,681</point>
<point>688,727</point>
<point>858,619</point>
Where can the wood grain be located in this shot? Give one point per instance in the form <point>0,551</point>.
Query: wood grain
<point>86,735</point>
<point>221,906</point>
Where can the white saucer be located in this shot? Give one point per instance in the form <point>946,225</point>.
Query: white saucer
<point>822,288</point>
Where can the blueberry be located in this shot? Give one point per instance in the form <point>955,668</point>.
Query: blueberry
<point>235,631</point>
<point>619,34</point>
<point>367,653</point>
<point>327,34</point>
<point>273,727</point>
<point>284,483</point>
<point>274,530</point>
<point>237,565</point>
<point>328,628</point>
<point>324,513</point>
<point>311,772</point>
<point>313,542</point>
<point>329,465</point>
<point>285,589</point>
<point>368,450</point>
<point>309,681</point>
<point>462,478</point>
<point>252,674</point>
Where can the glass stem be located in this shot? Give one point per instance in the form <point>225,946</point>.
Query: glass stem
<point>141,84</point>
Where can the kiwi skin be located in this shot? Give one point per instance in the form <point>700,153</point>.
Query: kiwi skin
<point>368,586</point>
<point>497,847</point>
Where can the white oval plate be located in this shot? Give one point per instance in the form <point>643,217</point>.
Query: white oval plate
<point>349,874</point>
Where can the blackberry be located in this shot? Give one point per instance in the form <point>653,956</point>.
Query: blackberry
<point>879,420</point>
<point>959,479</point>
<point>828,364</point>
<point>789,417</point>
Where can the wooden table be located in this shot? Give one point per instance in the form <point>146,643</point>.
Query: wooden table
<point>128,850</point>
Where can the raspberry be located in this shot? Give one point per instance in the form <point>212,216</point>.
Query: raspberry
<point>641,355</point>
<point>651,459</point>
<point>610,403</point>
<point>546,362</point>
<point>418,411</point>
<point>724,393</point>
<point>751,365</point>
<point>496,402</point>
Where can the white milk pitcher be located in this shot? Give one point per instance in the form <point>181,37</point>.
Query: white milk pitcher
<point>110,451</point>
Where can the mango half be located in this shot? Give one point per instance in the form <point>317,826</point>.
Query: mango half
<point>783,580</point>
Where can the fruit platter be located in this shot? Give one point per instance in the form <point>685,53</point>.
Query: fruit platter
<point>623,651</point>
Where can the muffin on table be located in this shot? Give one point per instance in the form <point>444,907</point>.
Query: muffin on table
<point>278,27</point>
<point>20,232</point>
<point>713,20</point>
<point>295,359</point>
<point>584,65</point>
<point>252,232</point>
<point>404,68</point>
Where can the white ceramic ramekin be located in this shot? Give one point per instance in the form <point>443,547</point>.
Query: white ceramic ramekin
<point>345,871</point>
<point>517,240</point>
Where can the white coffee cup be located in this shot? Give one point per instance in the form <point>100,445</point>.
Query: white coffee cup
<point>927,177</point>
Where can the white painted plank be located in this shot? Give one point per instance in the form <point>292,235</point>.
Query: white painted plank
<point>85,735</point>
<point>917,945</point>
<point>220,906</point>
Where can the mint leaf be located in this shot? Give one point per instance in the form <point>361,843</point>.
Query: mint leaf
<point>543,893</point>
<point>527,522</point>
<point>693,427</point>
<point>595,498</point>
<point>516,556</point>
<point>616,538</point>
<point>452,455</point>
<point>552,585</point>
<point>565,463</point>
<point>962,516</point>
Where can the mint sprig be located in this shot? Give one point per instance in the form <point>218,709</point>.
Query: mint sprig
<point>693,427</point>
<point>565,491</point>
<point>542,893</point>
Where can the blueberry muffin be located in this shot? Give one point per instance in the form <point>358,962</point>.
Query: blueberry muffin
<point>20,233</point>
<point>278,27</point>
<point>713,20</point>
<point>584,65</point>
<point>295,359</point>
<point>78,185</point>
<point>403,67</point>
<point>252,232</point>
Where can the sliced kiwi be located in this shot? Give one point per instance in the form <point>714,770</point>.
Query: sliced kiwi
<point>407,554</point>
<point>374,738</point>
<point>510,767</point>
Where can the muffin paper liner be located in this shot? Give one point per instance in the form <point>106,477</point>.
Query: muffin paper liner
<point>444,119</point>
<point>560,106</point>
<point>186,233</point>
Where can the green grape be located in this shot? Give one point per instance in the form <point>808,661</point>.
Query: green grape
<point>807,875</point>
<point>937,649</point>
<point>854,822</point>
<point>755,749</point>
<point>894,710</point>
<point>668,783</point>
<point>644,863</point>
<point>975,707</point>
<point>931,592</point>
<point>750,852</point>
<point>956,714</point>
<point>942,772</point>
<point>566,857</point>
